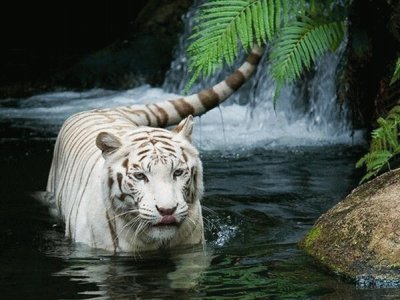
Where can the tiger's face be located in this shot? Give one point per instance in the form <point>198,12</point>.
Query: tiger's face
<point>153,181</point>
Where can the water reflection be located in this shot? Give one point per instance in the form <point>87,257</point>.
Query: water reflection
<point>103,275</point>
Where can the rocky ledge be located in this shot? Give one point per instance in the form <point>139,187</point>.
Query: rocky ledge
<point>359,238</point>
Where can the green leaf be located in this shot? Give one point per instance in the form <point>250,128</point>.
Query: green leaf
<point>271,14</point>
<point>384,145</point>
<point>220,26</point>
<point>299,44</point>
<point>396,73</point>
<point>278,10</point>
<point>361,161</point>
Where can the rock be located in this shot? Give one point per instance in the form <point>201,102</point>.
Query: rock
<point>359,238</point>
<point>122,65</point>
<point>162,16</point>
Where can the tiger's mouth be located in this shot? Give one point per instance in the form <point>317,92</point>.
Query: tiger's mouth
<point>167,221</point>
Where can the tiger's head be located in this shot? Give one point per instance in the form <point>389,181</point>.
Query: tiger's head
<point>153,182</point>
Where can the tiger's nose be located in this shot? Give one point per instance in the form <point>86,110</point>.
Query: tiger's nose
<point>166,211</point>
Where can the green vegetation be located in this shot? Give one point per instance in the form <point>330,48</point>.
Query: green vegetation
<point>396,73</point>
<point>297,32</point>
<point>312,236</point>
<point>385,144</point>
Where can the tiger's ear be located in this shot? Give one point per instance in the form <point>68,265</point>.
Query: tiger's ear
<point>185,128</point>
<point>107,143</point>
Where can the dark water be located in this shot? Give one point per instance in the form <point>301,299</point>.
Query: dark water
<point>262,201</point>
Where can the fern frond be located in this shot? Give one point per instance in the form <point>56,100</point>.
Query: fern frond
<point>384,145</point>
<point>278,15</point>
<point>215,36</point>
<point>286,13</point>
<point>302,7</point>
<point>224,25</point>
<point>396,73</point>
<point>300,44</point>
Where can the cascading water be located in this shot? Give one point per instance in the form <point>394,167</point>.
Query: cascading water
<point>306,113</point>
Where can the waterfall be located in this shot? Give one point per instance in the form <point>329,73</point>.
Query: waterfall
<point>306,112</point>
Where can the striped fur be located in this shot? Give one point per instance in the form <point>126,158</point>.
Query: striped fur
<point>122,183</point>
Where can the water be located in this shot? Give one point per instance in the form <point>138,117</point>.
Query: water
<point>263,201</point>
<point>262,195</point>
<point>268,176</point>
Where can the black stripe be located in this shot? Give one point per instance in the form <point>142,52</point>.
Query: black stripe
<point>208,98</point>
<point>169,149</point>
<point>110,182</point>
<point>113,234</point>
<point>183,107</point>
<point>163,115</point>
<point>143,151</point>
<point>119,180</point>
<point>125,164</point>
<point>235,80</point>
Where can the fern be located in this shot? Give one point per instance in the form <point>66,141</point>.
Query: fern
<point>300,44</point>
<point>385,139</point>
<point>384,145</point>
<point>225,26</point>
<point>396,73</point>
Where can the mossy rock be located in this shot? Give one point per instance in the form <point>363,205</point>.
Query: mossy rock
<point>359,238</point>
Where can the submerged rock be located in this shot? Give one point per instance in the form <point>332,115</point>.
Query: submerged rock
<point>359,238</point>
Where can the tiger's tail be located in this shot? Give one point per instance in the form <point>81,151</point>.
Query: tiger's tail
<point>171,112</point>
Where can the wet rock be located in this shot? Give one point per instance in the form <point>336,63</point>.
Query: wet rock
<point>359,238</point>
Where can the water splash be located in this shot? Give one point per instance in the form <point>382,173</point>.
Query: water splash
<point>225,234</point>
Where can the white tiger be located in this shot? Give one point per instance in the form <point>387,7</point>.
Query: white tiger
<point>120,183</point>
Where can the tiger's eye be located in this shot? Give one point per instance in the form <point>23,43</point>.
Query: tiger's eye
<point>178,172</point>
<point>140,176</point>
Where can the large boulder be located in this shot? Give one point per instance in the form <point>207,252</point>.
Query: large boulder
<point>359,238</point>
